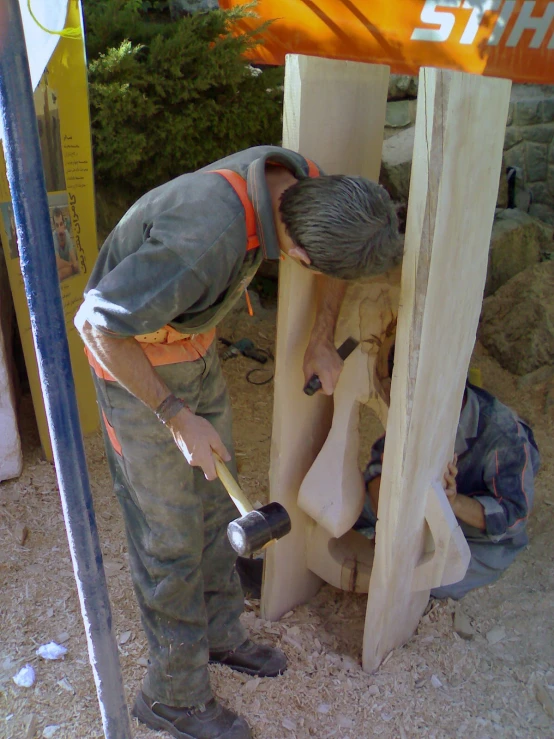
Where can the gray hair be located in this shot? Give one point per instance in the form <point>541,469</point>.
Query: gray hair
<point>347,225</point>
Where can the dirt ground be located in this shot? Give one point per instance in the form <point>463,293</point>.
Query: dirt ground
<point>498,684</point>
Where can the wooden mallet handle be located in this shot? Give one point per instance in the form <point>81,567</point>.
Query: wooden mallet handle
<point>232,486</point>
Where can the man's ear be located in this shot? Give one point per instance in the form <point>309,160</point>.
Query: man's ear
<point>300,253</point>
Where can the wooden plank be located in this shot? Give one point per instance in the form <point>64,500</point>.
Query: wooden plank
<point>11,458</point>
<point>334,114</point>
<point>446,556</point>
<point>457,157</point>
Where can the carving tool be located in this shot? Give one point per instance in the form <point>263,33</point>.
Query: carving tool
<point>344,351</point>
<point>256,528</point>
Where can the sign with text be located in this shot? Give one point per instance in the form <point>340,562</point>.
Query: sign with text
<point>61,105</point>
<point>513,39</point>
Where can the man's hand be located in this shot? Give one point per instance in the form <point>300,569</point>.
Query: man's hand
<point>196,438</point>
<point>465,508</point>
<point>450,482</point>
<point>321,359</point>
<point>129,365</point>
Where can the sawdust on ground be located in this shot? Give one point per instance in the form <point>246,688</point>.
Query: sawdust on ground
<point>437,685</point>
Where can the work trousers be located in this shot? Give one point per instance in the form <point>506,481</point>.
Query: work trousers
<point>182,565</point>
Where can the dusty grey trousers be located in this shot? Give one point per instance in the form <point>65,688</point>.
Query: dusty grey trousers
<point>182,565</point>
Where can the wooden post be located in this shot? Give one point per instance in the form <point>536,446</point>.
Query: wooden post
<point>457,157</point>
<point>11,459</point>
<point>334,114</point>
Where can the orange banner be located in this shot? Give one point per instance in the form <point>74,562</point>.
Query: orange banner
<point>497,38</point>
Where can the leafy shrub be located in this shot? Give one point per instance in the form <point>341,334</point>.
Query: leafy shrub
<point>169,96</point>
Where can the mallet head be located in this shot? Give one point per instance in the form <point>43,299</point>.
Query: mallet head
<point>258,528</point>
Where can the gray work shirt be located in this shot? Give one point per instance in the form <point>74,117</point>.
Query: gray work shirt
<point>179,253</point>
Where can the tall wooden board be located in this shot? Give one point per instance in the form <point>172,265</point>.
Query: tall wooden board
<point>334,114</point>
<point>457,157</point>
<point>11,458</point>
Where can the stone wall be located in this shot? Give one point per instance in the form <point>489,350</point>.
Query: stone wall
<point>529,143</point>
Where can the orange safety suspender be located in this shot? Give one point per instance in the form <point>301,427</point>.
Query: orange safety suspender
<point>239,185</point>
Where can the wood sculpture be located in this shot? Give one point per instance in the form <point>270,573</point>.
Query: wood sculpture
<point>334,114</point>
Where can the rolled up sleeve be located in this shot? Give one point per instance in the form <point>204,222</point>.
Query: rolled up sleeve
<point>142,293</point>
<point>509,478</point>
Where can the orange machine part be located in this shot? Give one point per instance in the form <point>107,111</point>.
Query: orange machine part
<point>498,38</point>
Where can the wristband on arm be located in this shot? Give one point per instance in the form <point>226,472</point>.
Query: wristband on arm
<point>169,408</point>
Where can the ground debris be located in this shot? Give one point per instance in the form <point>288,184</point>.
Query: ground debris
<point>462,624</point>
<point>396,702</point>
<point>30,726</point>
<point>20,533</point>
<point>544,698</point>
<point>496,634</point>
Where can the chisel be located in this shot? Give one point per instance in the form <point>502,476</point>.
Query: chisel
<point>344,351</point>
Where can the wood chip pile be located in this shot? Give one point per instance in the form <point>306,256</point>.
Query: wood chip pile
<point>496,679</point>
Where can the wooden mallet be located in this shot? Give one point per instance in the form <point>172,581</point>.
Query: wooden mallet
<point>256,528</point>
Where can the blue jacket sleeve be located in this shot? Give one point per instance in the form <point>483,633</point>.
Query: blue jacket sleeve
<point>375,465</point>
<point>509,477</point>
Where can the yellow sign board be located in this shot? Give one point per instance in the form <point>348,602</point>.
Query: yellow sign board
<point>61,104</point>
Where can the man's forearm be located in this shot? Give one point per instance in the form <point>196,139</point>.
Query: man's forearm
<point>469,511</point>
<point>128,364</point>
<point>329,297</point>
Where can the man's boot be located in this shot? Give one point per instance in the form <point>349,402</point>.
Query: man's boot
<point>214,722</point>
<point>253,659</point>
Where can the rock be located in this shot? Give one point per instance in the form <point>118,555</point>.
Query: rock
<point>515,156</point>
<point>517,241</point>
<point>529,112</point>
<point>535,161</point>
<point>539,192</point>
<point>544,213</point>
<point>548,110</point>
<point>542,134</point>
<point>533,379</point>
<point>517,322</point>
<point>400,113</point>
<point>396,164</point>
<point>513,136</point>
<point>402,86</point>
<point>462,624</point>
